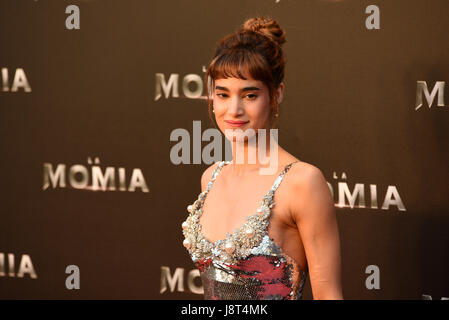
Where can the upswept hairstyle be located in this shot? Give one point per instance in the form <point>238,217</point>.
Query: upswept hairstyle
<point>254,49</point>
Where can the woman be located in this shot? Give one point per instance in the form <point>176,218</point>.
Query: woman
<point>245,252</point>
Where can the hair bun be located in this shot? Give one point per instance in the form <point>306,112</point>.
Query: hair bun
<point>266,26</point>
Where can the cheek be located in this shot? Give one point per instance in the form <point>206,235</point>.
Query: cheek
<point>220,111</point>
<point>259,110</point>
<point>218,105</point>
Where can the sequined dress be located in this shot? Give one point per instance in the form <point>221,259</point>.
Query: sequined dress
<point>247,264</point>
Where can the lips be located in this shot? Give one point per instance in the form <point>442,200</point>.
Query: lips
<point>236,123</point>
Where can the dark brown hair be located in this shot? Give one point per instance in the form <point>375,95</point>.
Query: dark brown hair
<point>255,49</point>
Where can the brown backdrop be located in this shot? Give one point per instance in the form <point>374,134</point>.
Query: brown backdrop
<point>86,102</point>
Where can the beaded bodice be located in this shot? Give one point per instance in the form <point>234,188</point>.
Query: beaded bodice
<point>247,264</point>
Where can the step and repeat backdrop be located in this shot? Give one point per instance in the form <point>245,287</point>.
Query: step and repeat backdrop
<point>95,96</point>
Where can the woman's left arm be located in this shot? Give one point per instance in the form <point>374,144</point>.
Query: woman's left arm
<point>313,211</point>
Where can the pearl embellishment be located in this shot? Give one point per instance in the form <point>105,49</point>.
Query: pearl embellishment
<point>184,225</point>
<point>229,247</point>
<point>186,243</point>
<point>249,232</point>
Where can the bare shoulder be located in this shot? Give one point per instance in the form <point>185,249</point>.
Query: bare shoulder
<point>308,189</point>
<point>207,175</point>
<point>305,175</point>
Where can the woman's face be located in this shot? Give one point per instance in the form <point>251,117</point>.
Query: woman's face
<point>241,104</point>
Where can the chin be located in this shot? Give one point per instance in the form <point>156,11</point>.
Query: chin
<point>240,134</point>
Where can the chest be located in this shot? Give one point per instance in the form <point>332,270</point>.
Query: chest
<point>229,204</point>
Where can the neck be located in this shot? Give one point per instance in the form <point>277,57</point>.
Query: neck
<point>258,152</point>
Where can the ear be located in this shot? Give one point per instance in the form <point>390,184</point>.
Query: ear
<point>280,92</point>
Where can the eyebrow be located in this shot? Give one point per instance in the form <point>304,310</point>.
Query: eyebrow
<point>242,90</point>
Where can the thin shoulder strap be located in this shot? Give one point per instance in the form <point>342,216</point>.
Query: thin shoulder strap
<point>269,196</point>
<point>202,195</point>
<point>215,174</point>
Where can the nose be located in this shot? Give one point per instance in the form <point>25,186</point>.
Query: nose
<point>235,107</point>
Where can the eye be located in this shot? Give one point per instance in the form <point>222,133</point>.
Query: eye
<point>221,95</point>
<point>252,96</point>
